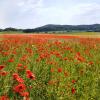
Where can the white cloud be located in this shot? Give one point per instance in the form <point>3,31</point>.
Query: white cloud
<point>87,14</point>
<point>2,15</point>
<point>34,13</point>
<point>70,15</point>
<point>14,13</point>
<point>29,5</point>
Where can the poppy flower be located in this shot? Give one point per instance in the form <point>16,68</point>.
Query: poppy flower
<point>59,70</point>
<point>5,53</point>
<point>73,90</point>
<point>19,88</point>
<point>18,78</point>
<point>24,94</point>
<point>4,98</point>
<point>25,67</point>
<point>30,75</point>
<point>91,63</point>
<point>11,60</point>
<point>20,65</point>
<point>73,81</point>
<point>1,67</point>
<point>3,73</point>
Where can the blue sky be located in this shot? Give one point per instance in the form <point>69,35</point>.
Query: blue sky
<point>34,13</point>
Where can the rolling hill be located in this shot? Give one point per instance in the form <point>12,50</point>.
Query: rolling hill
<point>68,28</point>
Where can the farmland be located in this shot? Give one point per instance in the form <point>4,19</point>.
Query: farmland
<point>49,67</point>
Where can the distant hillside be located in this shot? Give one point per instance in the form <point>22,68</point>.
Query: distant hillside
<point>57,28</point>
<point>69,28</point>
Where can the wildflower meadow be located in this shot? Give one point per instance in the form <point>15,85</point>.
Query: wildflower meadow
<point>49,67</point>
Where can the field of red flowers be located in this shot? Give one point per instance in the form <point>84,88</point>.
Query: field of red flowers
<point>49,67</point>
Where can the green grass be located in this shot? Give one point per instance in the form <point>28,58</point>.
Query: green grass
<point>57,32</point>
<point>87,33</point>
<point>11,32</point>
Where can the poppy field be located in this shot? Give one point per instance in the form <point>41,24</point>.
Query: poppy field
<point>49,67</point>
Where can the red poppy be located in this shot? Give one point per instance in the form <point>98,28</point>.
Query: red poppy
<point>73,81</point>
<point>73,90</point>
<point>24,94</point>
<point>18,78</point>
<point>25,67</point>
<point>4,98</point>
<point>30,75</point>
<point>11,60</point>
<point>65,58</point>
<point>78,54</point>
<point>19,88</point>
<point>3,73</point>
<point>81,59</point>
<point>5,53</point>
<point>91,63</point>
<point>59,70</point>
<point>1,67</point>
<point>20,65</point>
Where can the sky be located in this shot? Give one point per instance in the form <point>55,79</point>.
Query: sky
<point>36,13</point>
